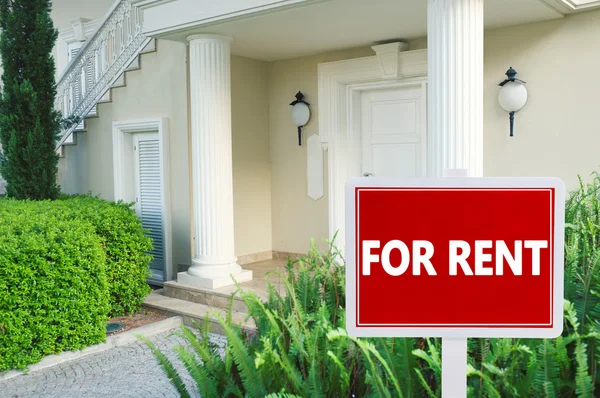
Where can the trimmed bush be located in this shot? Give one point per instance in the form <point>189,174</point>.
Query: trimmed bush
<point>125,244</point>
<point>53,288</point>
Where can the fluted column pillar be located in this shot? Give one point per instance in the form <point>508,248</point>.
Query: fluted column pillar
<point>455,81</point>
<point>214,262</point>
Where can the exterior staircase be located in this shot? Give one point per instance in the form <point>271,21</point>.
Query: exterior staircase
<point>100,66</point>
<point>199,305</point>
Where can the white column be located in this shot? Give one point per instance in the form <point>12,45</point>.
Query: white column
<point>214,261</point>
<point>455,80</point>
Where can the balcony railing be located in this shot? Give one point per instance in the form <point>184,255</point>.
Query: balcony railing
<point>99,63</point>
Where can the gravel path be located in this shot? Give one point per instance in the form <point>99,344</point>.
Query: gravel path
<point>128,371</point>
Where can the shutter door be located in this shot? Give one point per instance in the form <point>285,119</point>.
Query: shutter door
<point>149,197</point>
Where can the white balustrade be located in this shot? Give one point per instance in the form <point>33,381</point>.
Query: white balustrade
<point>99,63</point>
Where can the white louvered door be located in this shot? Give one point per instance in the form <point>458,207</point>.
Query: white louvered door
<point>149,206</point>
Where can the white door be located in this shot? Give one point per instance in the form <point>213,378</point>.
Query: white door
<point>148,201</point>
<point>393,132</point>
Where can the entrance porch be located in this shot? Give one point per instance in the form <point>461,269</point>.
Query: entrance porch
<point>395,88</point>
<point>370,114</point>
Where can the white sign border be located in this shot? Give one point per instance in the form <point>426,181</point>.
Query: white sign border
<point>471,182</point>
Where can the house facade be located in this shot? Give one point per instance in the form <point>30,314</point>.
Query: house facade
<point>183,108</point>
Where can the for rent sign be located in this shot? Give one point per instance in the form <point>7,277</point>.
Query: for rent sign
<point>473,257</point>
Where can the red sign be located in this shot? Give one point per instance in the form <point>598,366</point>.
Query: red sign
<point>455,257</point>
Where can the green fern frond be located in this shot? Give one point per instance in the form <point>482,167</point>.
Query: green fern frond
<point>583,380</point>
<point>253,383</point>
<point>206,385</point>
<point>425,384</point>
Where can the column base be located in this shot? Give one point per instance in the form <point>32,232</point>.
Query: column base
<point>215,282</point>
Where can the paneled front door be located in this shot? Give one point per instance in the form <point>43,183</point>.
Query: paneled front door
<point>393,133</point>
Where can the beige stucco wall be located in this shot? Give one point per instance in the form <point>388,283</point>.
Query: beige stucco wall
<point>296,217</point>
<point>558,132</point>
<point>88,166</point>
<point>159,89</point>
<point>251,166</point>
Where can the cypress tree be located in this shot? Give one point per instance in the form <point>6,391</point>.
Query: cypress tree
<point>29,124</point>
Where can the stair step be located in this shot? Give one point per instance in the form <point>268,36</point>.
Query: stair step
<point>134,65</point>
<point>194,312</point>
<point>207,297</point>
<point>150,47</point>
<point>93,112</point>
<point>71,140</point>
<point>120,82</point>
<point>106,98</point>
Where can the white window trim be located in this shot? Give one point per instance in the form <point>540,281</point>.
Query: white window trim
<point>140,126</point>
<point>340,84</point>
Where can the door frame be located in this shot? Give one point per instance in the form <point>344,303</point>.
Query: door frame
<point>340,87</point>
<point>160,125</point>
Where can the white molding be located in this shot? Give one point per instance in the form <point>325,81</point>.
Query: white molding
<point>161,126</point>
<point>338,84</point>
<point>314,167</point>
<point>90,26</point>
<point>162,17</point>
<point>572,6</point>
<point>389,57</point>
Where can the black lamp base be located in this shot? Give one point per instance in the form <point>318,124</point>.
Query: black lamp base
<point>512,123</point>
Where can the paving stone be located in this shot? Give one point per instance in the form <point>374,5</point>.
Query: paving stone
<point>127,371</point>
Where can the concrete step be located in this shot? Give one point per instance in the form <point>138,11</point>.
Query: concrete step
<point>194,312</point>
<point>93,113</point>
<point>72,140</point>
<point>106,98</point>
<point>211,298</point>
<point>150,47</point>
<point>120,82</point>
<point>134,65</point>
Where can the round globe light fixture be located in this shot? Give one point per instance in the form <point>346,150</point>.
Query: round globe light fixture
<point>300,114</point>
<point>512,96</point>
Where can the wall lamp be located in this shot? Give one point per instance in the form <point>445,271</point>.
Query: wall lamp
<point>300,114</point>
<point>512,96</point>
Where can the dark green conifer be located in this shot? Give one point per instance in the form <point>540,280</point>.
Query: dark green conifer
<point>29,123</point>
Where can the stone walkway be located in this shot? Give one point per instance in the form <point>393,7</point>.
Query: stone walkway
<point>128,371</point>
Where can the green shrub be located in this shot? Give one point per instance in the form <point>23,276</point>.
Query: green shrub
<point>53,288</point>
<point>125,244</point>
<point>302,349</point>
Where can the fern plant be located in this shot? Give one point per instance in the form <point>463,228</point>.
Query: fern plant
<point>301,348</point>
